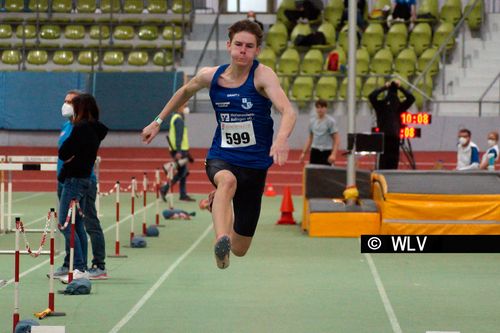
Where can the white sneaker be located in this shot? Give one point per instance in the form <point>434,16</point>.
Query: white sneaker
<point>3,282</point>
<point>76,275</point>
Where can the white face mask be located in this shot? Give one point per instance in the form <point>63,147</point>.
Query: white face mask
<point>186,110</point>
<point>251,19</point>
<point>67,110</point>
<point>491,143</point>
<point>462,141</point>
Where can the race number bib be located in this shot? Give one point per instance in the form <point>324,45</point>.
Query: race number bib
<point>238,134</point>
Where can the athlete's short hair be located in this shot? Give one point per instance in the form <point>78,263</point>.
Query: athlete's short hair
<point>321,103</point>
<point>466,131</point>
<point>248,26</point>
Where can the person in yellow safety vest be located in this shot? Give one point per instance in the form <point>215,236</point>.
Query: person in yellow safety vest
<point>178,141</point>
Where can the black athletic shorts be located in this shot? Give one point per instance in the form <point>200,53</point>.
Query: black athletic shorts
<point>248,197</point>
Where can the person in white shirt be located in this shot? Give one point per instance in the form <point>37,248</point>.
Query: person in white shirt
<point>491,154</point>
<point>467,151</point>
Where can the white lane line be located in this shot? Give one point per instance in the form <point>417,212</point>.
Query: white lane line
<point>383,295</point>
<point>158,283</point>
<point>63,253</point>
<point>28,197</point>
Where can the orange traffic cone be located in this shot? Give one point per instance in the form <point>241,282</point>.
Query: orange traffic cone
<point>270,192</point>
<point>286,208</point>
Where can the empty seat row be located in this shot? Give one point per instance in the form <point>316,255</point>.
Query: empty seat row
<point>303,89</point>
<point>382,63</point>
<point>373,38</point>
<point>88,58</point>
<point>75,32</point>
<point>104,6</point>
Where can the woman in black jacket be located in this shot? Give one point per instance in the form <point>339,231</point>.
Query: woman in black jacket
<point>79,152</point>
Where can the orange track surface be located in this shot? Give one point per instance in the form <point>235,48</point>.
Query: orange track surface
<point>120,164</point>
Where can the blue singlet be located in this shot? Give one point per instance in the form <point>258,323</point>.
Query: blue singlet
<point>244,131</point>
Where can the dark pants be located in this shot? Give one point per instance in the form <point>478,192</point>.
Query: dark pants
<point>320,156</point>
<point>74,188</point>
<point>180,176</point>
<point>92,225</point>
<point>308,11</point>
<point>390,158</point>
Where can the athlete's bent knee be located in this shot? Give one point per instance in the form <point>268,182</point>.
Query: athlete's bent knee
<point>239,252</point>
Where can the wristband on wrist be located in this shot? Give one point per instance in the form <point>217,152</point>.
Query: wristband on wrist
<point>158,120</point>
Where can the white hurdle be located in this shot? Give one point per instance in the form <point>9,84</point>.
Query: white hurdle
<point>26,163</point>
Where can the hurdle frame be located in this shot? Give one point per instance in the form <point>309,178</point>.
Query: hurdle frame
<point>27,163</point>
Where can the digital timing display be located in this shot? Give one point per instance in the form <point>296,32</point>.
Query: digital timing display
<point>421,118</point>
<point>409,132</point>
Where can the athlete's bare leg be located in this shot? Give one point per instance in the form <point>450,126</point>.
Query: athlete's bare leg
<point>222,209</point>
<point>239,244</point>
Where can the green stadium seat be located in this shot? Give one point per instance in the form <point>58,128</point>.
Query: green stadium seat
<point>426,87</point>
<point>88,58</point>
<point>312,63</point>
<point>289,62</point>
<point>5,31</point>
<point>267,57</point>
<point>11,57</point>
<point>285,84</point>
<point>475,18</point>
<point>344,38</point>
<point>342,59</point>
<point>372,83</point>
<point>14,5</point>
<point>181,6</point>
<point>28,30</point>
<point>157,7</point>
<point>74,31</point>
<point>62,6</point>
<point>107,4</point>
<point>382,62</point>
<point>329,31</point>
<point>326,88</point>
<point>420,37</point>
<point>63,57</point>
<point>50,31</point>
<point>113,58</point>
<point>373,38</point>
<point>405,62</point>
<point>124,32</point>
<point>37,57</point>
<point>333,12</point>
<point>277,37</point>
<point>148,32</point>
<point>38,5</point>
<point>396,38</point>
<point>280,13</point>
<point>302,89</point>
<point>424,60</point>
<point>163,58</point>
<point>380,4</point>
<point>362,61</point>
<point>451,11</point>
<point>442,33</point>
<point>300,29</point>
<point>86,6</point>
<point>133,6</point>
<point>138,58</point>
<point>426,8</point>
<point>343,89</point>
<point>172,32</point>
<point>99,31</point>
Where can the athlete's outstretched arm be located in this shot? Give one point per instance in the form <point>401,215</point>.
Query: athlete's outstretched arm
<point>200,81</point>
<point>268,81</point>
